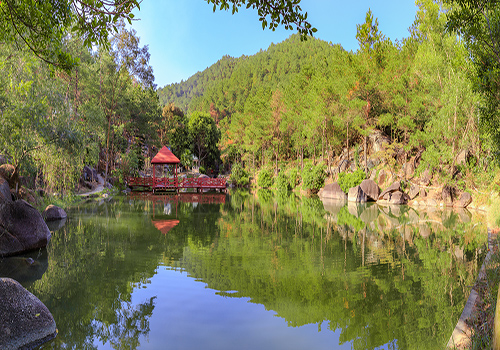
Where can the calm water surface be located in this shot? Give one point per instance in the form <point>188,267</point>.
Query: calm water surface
<point>263,271</point>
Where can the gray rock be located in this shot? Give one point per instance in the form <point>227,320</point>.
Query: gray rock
<point>26,321</point>
<point>371,189</point>
<point>396,186</point>
<point>356,194</point>
<point>399,198</point>
<point>22,228</point>
<point>53,212</point>
<point>464,201</point>
<point>5,195</point>
<point>414,191</point>
<point>333,191</point>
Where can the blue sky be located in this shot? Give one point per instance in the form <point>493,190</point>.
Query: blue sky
<point>186,36</point>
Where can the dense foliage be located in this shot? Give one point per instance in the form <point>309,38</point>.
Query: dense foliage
<point>348,180</point>
<point>312,99</point>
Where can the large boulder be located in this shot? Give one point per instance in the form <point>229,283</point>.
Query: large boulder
<point>356,194</point>
<point>333,191</point>
<point>53,212</point>
<point>371,189</point>
<point>22,228</point>
<point>396,186</point>
<point>26,321</point>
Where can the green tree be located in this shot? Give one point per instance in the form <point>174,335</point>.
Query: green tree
<point>205,137</point>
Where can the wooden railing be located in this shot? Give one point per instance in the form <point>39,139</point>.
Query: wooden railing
<point>200,182</point>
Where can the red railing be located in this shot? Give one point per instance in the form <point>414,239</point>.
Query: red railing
<point>200,182</point>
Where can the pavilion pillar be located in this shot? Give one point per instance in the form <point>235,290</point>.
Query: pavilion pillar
<point>154,175</point>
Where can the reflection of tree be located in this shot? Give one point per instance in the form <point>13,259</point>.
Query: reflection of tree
<point>103,253</point>
<point>410,292</point>
<point>131,323</point>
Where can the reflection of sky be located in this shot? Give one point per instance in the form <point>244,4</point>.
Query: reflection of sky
<point>188,315</point>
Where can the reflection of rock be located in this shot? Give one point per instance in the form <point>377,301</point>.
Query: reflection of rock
<point>459,253</point>
<point>25,270</point>
<point>369,213</point>
<point>333,206</point>
<point>55,225</point>
<point>22,229</point>
<point>356,194</point>
<point>26,322</point>
<point>464,214</point>
<point>424,230</point>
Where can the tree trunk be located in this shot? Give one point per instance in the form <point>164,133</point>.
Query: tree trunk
<point>365,150</point>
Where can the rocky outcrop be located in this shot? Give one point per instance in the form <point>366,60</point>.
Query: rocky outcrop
<point>396,186</point>
<point>26,322</point>
<point>371,189</point>
<point>52,213</point>
<point>22,228</point>
<point>333,191</point>
<point>356,194</point>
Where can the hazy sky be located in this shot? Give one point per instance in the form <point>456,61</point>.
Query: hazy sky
<point>186,36</point>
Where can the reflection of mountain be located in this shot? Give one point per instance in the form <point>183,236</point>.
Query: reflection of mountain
<point>165,225</point>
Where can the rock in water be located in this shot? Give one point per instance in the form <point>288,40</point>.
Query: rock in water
<point>371,189</point>
<point>53,212</point>
<point>22,228</point>
<point>333,191</point>
<point>356,194</point>
<point>26,321</point>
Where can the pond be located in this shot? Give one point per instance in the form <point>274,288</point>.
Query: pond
<point>254,271</point>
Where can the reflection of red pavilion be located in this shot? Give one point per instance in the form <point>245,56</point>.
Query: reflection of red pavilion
<point>165,225</point>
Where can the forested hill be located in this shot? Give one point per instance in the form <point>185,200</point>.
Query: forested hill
<point>230,81</point>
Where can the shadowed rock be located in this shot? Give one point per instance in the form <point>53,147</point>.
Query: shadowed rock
<point>53,212</point>
<point>26,321</point>
<point>356,194</point>
<point>22,228</point>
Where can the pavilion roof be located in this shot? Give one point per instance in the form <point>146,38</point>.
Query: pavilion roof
<point>165,156</point>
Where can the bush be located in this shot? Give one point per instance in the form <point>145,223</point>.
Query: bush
<point>239,176</point>
<point>293,177</point>
<point>346,181</point>
<point>265,178</point>
<point>202,170</point>
<point>282,182</point>
<point>314,178</point>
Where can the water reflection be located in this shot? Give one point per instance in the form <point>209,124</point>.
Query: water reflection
<point>363,276</point>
